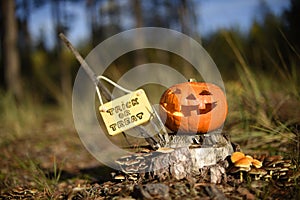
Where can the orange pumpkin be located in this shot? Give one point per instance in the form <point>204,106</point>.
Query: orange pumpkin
<point>193,107</point>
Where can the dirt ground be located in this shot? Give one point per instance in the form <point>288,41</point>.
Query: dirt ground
<point>53,164</point>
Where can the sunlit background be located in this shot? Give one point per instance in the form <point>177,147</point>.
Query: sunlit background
<point>252,42</point>
<point>209,16</point>
<point>261,28</point>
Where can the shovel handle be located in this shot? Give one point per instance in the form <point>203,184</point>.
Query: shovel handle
<point>106,93</point>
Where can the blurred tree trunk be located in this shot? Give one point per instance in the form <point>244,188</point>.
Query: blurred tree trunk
<point>92,18</point>
<point>183,18</point>
<point>292,16</point>
<point>138,13</point>
<point>60,23</point>
<point>23,28</point>
<point>10,52</point>
<point>186,26</point>
<point>25,46</point>
<point>138,16</point>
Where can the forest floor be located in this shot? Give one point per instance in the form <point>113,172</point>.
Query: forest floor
<point>55,165</point>
<point>50,162</point>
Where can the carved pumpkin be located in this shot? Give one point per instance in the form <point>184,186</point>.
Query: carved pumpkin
<point>193,107</point>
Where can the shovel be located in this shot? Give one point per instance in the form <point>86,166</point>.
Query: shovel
<point>155,125</point>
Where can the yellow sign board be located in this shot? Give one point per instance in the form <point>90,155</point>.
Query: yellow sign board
<point>126,112</point>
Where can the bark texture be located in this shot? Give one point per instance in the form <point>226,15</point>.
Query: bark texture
<point>181,162</point>
<point>10,52</point>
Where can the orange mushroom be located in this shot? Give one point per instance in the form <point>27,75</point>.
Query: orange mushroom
<point>256,163</point>
<point>244,162</point>
<point>237,156</point>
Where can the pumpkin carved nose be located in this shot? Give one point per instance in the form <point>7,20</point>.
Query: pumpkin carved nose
<point>191,97</point>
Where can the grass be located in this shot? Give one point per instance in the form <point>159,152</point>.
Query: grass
<point>254,106</point>
<point>42,179</point>
<point>18,118</point>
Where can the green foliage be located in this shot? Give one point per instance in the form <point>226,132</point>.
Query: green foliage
<point>255,99</point>
<point>262,83</point>
<point>44,180</point>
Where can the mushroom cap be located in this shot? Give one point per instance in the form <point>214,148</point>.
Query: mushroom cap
<point>234,170</point>
<point>243,163</point>
<point>256,163</point>
<point>133,178</point>
<point>258,171</point>
<point>246,169</point>
<point>249,157</point>
<point>237,156</point>
<point>260,157</point>
<point>272,158</point>
<point>274,162</point>
<point>273,168</point>
<point>267,177</point>
<point>284,169</point>
<point>119,177</point>
<point>279,174</point>
<point>287,163</point>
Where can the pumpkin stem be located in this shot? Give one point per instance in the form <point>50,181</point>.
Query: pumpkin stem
<point>192,80</point>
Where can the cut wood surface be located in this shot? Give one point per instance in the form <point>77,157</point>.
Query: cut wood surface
<point>181,161</point>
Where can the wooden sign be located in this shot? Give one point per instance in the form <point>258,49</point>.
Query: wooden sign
<point>126,112</point>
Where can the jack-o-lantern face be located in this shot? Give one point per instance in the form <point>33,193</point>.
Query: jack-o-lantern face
<point>194,107</point>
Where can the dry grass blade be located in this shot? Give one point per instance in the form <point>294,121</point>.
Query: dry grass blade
<point>250,77</point>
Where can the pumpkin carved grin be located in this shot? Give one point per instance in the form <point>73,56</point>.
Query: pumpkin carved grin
<point>186,110</point>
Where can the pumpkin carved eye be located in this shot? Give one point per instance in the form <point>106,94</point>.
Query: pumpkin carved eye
<point>191,97</point>
<point>205,92</point>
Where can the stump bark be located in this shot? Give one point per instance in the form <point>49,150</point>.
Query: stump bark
<point>180,160</point>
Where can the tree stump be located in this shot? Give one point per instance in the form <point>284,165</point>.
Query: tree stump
<point>182,157</point>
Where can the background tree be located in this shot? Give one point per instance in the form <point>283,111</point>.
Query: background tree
<point>292,17</point>
<point>61,25</point>
<point>10,54</point>
<point>49,70</point>
<point>92,19</point>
